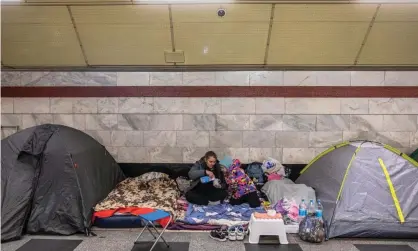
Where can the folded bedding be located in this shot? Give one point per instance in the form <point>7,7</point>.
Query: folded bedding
<point>222,214</point>
<point>139,196</point>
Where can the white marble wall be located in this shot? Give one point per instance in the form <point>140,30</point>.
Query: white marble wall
<point>240,78</point>
<point>292,130</point>
<point>182,129</point>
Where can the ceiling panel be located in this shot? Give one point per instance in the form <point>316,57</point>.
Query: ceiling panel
<point>40,45</point>
<point>207,13</point>
<point>35,15</point>
<point>324,12</point>
<point>212,43</point>
<point>318,34</point>
<point>121,14</point>
<point>124,35</point>
<point>315,43</point>
<point>391,43</point>
<point>397,13</point>
<point>239,37</point>
<point>39,36</point>
<point>125,44</point>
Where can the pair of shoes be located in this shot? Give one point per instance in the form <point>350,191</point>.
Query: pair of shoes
<point>236,233</point>
<point>219,234</point>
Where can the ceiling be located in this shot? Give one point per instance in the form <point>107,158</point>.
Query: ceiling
<point>70,34</point>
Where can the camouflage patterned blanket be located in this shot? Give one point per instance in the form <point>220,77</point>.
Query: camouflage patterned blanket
<point>157,193</point>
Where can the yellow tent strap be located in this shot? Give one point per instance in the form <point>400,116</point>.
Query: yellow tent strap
<point>392,191</point>
<point>409,159</point>
<point>398,152</point>
<point>322,154</point>
<point>393,149</point>
<point>346,171</point>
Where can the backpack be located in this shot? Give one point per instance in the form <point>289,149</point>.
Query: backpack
<point>255,172</point>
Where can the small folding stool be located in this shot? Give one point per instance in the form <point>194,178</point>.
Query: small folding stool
<point>148,220</point>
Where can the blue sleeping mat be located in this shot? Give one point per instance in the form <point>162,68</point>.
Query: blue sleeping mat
<point>119,221</point>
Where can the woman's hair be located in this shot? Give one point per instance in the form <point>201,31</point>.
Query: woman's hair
<point>210,154</point>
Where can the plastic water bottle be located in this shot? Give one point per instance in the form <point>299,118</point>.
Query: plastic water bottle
<point>319,209</point>
<point>311,208</point>
<point>302,210</point>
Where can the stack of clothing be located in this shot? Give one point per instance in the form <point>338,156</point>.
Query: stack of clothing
<point>289,209</point>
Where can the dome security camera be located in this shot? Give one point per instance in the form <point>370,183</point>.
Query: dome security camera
<point>221,12</point>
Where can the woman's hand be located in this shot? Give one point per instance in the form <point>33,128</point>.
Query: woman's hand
<point>210,174</point>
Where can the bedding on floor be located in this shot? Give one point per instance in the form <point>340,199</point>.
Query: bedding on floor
<point>178,225</point>
<point>141,195</point>
<point>285,188</point>
<point>222,214</point>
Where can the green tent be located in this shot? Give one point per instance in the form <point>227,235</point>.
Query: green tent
<point>414,155</point>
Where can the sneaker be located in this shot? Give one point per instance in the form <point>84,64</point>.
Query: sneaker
<point>232,233</point>
<point>219,234</point>
<point>240,233</point>
<point>214,203</point>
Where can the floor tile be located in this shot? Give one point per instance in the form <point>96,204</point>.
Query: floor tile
<point>270,247</point>
<point>383,247</point>
<point>50,244</point>
<point>202,242</point>
<point>174,246</point>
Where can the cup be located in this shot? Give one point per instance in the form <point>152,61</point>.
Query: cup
<point>205,179</point>
<point>271,212</point>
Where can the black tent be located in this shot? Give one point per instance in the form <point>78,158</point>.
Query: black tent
<point>51,177</point>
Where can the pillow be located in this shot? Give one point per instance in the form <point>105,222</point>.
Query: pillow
<point>152,175</point>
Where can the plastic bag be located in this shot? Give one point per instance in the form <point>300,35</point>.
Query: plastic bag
<point>183,184</point>
<point>271,165</point>
<point>311,229</point>
<point>289,209</point>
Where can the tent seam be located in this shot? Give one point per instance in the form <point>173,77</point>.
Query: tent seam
<point>342,184</point>
<point>392,191</point>
<point>322,154</point>
<point>78,183</point>
<point>346,172</point>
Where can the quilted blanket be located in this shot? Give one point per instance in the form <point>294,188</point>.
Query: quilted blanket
<point>222,214</point>
<point>133,195</point>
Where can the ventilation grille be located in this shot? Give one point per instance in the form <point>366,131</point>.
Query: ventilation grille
<point>174,56</point>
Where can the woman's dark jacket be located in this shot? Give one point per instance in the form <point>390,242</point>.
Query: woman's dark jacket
<point>198,170</point>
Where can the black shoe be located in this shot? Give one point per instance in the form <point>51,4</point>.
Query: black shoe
<point>219,234</point>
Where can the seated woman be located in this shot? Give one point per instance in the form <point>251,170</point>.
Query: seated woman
<point>213,191</point>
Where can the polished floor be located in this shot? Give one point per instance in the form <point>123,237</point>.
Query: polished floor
<point>123,240</point>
